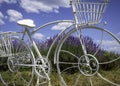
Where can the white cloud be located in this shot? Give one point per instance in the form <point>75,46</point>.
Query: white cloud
<point>118,34</point>
<point>1,18</point>
<point>61,26</point>
<point>48,37</point>
<point>35,6</point>
<point>56,11</point>
<point>8,1</point>
<point>32,6</point>
<point>38,36</point>
<point>111,45</point>
<point>14,15</point>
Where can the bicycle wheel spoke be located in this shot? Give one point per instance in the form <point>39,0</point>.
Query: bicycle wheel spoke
<point>69,63</point>
<point>77,80</point>
<point>3,82</point>
<point>68,68</point>
<point>24,79</point>
<point>81,40</point>
<point>107,62</point>
<point>107,80</point>
<point>41,81</point>
<point>26,65</point>
<point>65,51</point>
<point>98,46</point>
<point>91,83</point>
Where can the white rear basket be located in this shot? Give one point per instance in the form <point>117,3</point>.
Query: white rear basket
<point>90,11</point>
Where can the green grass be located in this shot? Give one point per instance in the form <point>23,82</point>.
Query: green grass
<point>84,81</point>
<point>70,79</point>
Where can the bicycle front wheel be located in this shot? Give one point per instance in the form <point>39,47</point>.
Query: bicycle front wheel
<point>86,54</point>
<point>19,62</point>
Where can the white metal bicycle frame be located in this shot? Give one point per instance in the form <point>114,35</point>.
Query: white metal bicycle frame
<point>74,23</point>
<point>27,31</point>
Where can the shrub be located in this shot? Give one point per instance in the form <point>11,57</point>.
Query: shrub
<point>73,45</point>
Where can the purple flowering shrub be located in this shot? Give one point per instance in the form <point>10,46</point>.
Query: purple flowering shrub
<point>72,44</point>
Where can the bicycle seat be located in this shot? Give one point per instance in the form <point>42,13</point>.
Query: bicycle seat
<point>26,23</point>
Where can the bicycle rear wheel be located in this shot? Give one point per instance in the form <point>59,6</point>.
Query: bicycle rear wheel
<point>19,62</point>
<point>84,55</point>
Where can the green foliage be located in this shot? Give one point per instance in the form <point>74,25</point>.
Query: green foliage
<point>3,63</point>
<point>110,56</point>
<point>73,45</point>
<point>70,79</point>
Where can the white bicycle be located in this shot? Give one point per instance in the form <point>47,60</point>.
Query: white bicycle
<point>86,62</point>
<point>83,49</point>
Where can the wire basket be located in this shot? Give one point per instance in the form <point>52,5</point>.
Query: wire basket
<point>89,11</point>
<point>5,43</point>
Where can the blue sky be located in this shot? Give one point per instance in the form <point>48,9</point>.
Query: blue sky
<point>41,11</point>
<point>44,11</point>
